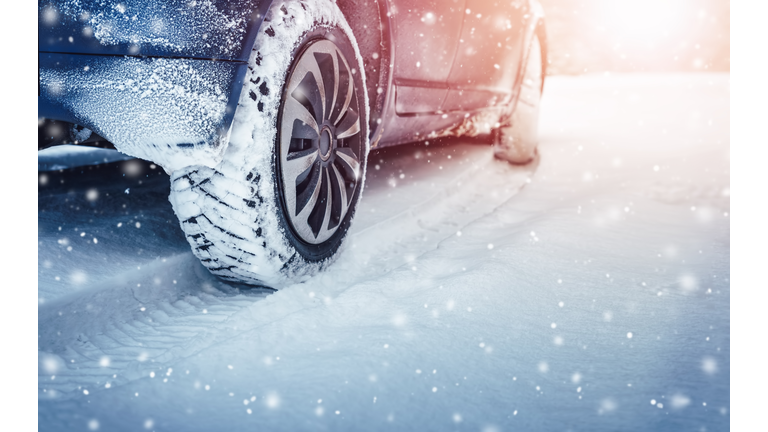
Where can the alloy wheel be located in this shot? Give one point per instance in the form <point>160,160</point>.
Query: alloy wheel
<point>319,142</point>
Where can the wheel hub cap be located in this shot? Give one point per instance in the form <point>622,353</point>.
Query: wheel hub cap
<point>320,137</point>
<point>325,144</point>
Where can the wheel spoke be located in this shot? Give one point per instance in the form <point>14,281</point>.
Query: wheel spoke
<point>328,202</point>
<point>317,217</point>
<point>298,163</point>
<point>322,87</point>
<point>342,190</point>
<point>328,74</point>
<point>303,130</point>
<point>300,111</point>
<point>311,89</point>
<point>303,210</point>
<point>349,117</point>
<point>348,157</point>
<point>345,85</point>
<point>352,130</point>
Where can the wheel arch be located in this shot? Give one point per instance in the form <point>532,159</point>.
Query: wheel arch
<point>537,28</point>
<point>534,27</point>
<point>369,21</point>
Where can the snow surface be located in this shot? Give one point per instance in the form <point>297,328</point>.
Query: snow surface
<point>590,292</point>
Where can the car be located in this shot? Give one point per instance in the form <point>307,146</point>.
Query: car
<point>263,112</point>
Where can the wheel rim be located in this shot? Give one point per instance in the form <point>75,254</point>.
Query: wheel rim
<point>320,138</point>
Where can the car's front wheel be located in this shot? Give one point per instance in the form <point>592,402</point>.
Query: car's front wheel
<point>517,138</point>
<point>279,205</point>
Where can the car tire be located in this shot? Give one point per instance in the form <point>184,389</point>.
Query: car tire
<point>277,208</point>
<point>517,138</point>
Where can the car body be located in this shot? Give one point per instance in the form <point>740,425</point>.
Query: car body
<point>433,68</point>
<point>263,112</point>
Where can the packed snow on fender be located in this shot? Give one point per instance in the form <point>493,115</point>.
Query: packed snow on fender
<point>586,291</point>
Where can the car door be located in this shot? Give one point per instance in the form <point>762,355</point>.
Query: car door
<point>488,56</point>
<point>426,35</point>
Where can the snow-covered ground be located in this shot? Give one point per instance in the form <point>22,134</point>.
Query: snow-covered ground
<point>588,291</point>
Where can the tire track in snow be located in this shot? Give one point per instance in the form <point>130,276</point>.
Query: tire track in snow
<point>137,325</point>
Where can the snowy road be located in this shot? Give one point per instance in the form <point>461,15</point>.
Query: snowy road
<point>588,291</point>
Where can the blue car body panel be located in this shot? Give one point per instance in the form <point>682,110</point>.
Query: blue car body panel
<point>104,51</point>
<point>210,29</point>
<point>171,111</point>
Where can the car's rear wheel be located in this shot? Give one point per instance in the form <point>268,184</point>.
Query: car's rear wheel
<point>320,148</point>
<point>517,138</point>
<point>279,205</point>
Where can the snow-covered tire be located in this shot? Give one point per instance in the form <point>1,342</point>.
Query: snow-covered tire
<point>516,140</point>
<point>237,216</point>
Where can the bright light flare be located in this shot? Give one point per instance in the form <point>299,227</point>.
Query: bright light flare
<point>641,22</point>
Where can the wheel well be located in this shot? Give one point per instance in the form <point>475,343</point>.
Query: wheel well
<point>364,17</point>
